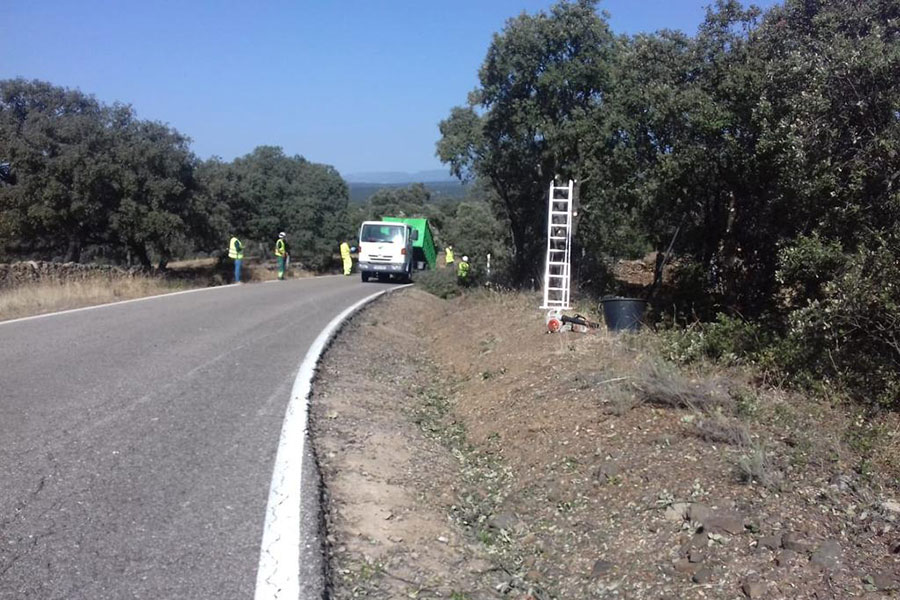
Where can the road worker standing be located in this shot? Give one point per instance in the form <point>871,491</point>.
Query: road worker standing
<point>345,258</point>
<point>236,253</point>
<point>280,254</point>
<point>462,271</point>
<point>448,255</point>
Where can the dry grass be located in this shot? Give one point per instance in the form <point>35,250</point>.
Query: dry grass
<point>755,466</point>
<point>192,263</point>
<point>719,429</point>
<point>664,385</point>
<point>50,296</point>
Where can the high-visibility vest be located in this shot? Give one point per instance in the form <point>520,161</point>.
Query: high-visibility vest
<point>449,253</point>
<point>235,249</point>
<point>345,250</point>
<point>462,270</point>
<point>279,247</point>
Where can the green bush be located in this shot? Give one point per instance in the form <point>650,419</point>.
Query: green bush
<point>806,266</point>
<point>851,336</point>
<point>440,282</point>
<point>727,340</point>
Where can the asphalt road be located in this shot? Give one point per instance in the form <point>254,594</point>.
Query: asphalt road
<point>137,440</point>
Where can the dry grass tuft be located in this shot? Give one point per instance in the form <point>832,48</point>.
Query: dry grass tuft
<point>756,467</point>
<point>51,296</point>
<point>619,401</point>
<point>192,264</point>
<point>719,429</point>
<point>663,385</point>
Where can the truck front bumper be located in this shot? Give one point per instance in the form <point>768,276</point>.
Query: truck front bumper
<point>370,267</point>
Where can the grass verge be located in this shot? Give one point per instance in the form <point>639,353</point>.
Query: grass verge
<point>52,296</point>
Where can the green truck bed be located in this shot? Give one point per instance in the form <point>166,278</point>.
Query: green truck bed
<point>423,247</point>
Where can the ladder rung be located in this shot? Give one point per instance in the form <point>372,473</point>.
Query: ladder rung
<point>556,289</point>
<point>559,212</point>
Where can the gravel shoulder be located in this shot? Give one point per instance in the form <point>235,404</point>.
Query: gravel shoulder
<point>466,454</point>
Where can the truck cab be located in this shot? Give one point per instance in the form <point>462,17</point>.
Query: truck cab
<point>386,249</point>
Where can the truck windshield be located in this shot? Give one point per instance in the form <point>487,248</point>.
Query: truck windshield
<point>392,234</point>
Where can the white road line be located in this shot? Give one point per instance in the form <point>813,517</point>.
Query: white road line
<point>278,574</point>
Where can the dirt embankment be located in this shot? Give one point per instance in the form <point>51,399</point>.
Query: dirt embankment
<point>467,454</point>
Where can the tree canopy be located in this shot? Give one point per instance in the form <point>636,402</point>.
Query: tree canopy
<point>769,141</point>
<point>93,178</point>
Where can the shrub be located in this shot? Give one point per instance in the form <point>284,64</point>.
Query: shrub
<point>852,335</point>
<point>806,265</point>
<point>727,340</point>
<point>440,282</point>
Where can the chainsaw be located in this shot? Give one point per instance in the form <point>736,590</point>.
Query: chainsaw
<point>559,322</point>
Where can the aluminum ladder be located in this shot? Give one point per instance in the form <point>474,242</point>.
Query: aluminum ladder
<point>558,264</point>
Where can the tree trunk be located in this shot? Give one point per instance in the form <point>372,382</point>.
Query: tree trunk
<point>140,251</point>
<point>73,251</point>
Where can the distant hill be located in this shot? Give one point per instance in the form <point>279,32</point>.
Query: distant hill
<point>399,177</point>
<point>440,190</point>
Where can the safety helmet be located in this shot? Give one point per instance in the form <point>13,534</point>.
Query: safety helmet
<point>465,259</point>
<point>282,235</point>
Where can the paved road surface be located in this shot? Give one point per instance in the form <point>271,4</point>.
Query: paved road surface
<point>137,440</point>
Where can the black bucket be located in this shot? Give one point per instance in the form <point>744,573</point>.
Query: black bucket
<point>623,314</point>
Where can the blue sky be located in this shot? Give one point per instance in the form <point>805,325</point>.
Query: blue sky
<point>357,84</point>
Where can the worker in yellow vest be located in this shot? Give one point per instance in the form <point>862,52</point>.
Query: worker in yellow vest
<point>236,253</point>
<point>448,255</point>
<point>462,271</point>
<point>345,258</point>
<point>280,254</point>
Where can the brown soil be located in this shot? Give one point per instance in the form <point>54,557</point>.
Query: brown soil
<point>468,454</point>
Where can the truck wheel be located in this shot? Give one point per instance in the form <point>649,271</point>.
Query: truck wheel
<point>364,276</point>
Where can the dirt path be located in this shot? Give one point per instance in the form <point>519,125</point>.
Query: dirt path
<point>389,479</point>
<point>532,466</point>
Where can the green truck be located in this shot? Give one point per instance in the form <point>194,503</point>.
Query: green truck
<point>424,252</point>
